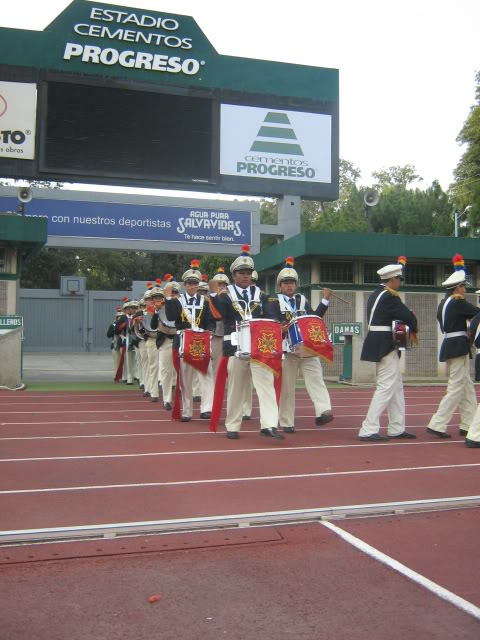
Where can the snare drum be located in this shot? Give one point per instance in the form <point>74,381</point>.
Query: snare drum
<point>294,336</point>
<point>401,335</point>
<point>248,328</point>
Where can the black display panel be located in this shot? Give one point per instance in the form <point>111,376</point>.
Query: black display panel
<point>115,132</point>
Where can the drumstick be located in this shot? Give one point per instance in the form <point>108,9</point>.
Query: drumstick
<point>335,295</point>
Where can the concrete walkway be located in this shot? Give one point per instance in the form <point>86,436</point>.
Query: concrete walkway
<point>67,367</point>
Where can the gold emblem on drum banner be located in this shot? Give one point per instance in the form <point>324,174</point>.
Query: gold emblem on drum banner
<point>316,333</point>
<point>196,349</point>
<point>267,343</point>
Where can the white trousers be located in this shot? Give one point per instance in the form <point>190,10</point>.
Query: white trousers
<point>311,369</point>
<point>474,430</point>
<point>460,393</point>
<point>239,372</point>
<point>166,369</point>
<point>388,395</point>
<point>142,361</point>
<point>247,405</point>
<point>129,367</point>
<point>116,360</point>
<point>151,381</point>
<point>186,387</point>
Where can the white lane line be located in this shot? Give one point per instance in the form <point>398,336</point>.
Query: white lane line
<point>301,476</point>
<point>431,586</point>
<point>220,451</point>
<point>187,433</point>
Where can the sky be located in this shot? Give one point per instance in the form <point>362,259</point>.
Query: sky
<point>407,68</point>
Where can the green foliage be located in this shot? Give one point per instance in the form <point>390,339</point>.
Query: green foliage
<point>395,176</point>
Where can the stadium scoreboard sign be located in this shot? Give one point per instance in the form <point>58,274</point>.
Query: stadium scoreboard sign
<point>117,95</point>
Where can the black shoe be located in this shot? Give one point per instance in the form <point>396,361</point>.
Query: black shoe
<point>136,380</point>
<point>233,435</point>
<point>154,399</point>
<point>124,382</point>
<point>289,429</point>
<point>272,433</point>
<point>324,418</point>
<point>205,415</point>
<point>463,432</point>
<point>246,417</point>
<point>472,444</point>
<point>375,437</point>
<point>439,434</point>
<point>404,436</point>
<point>197,398</point>
<point>146,394</point>
<point>129,382</point>
<point>185,418</point>
<point>167,406</point>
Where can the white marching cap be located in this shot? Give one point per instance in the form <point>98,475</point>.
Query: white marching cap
<point>477,291</point>
<point>254,275</point>
<point>390,271</point>
<point>457,278</point>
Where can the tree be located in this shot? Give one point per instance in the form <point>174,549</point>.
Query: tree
<point>395,176</point>
<point>466,187</point>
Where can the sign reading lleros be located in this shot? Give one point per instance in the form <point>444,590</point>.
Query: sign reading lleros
<point>121,221</point>
<point>18,108</point>
<point>339,329</point>
<point>8,323</point>
<point>274,143</point>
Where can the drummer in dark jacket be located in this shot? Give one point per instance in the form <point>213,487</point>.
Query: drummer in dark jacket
<point>472,439</point>
<point>452,315</point>
<point>383,308</point>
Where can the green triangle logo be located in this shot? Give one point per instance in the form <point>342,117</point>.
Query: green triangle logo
<point>274,137</point>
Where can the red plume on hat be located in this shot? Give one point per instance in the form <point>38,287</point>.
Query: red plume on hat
<point>149,286</point>
<point>125,299</point>
<point>195,263</point>
<point>158,282</point>
<point>204,277</point>
<point>220,270</point>
<point>168,277</point>
<point>458,262</point>
<point>402,260</point>
<point>119,308</point>
<point>245,250</point>
<point>289,262</point>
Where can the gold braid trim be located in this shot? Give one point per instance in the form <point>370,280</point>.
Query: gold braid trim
<point>197,318</point>
<point>457,296</point>
<point>391,291</point>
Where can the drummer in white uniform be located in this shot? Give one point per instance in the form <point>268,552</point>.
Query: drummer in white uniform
<point>288,306</point>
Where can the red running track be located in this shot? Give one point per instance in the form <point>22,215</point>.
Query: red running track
<point>70,459</point>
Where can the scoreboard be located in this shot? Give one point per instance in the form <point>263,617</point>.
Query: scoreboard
<point>119,96</point>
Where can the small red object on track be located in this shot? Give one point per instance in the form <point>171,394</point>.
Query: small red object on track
<point>154,598</point>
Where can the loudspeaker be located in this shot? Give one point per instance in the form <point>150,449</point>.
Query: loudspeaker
<point>370,198</point>
<point>24,194</point>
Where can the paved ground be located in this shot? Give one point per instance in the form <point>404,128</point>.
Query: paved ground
<point>67,367</point>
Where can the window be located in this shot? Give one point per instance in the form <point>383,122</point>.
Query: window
<point>336,272</point>
<point>370,275</point>
<point>421,275</point>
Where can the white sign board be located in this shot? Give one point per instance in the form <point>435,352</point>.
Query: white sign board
<point>273,143</point>
<point>18,108</point>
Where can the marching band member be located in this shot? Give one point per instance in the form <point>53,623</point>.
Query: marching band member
<point>126,365</point>
<point>156,300</point>
<point>166,332</point>
<point>288,305</point>
<point>247,405</point>
<point>231,305</point>
<point>383,307</point>
<point>222,283</point>
<point>452,315</point>
<point>191,311</point>
<point>141,358</point>
<point>472,439</point>
<point>477,350</point>
<point>116,344</point>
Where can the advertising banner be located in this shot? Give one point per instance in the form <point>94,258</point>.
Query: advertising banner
<point>18,108</point>
<point>122,221</point>
<point>271,143</point>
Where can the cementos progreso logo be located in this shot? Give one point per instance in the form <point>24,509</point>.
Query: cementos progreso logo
<point>3,105</point>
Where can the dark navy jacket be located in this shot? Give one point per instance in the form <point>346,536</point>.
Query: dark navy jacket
<point>379,344</point>
<point>456,315</point>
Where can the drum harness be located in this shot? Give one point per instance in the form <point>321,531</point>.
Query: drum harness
<point>238,302</point>
<point>192,316</point>
<point>293,312</point>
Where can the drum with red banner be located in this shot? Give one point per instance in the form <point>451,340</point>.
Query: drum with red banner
<point>195,348</point>
<point>315,341</point>
<point>266,344</point>
<point>401,335</point>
